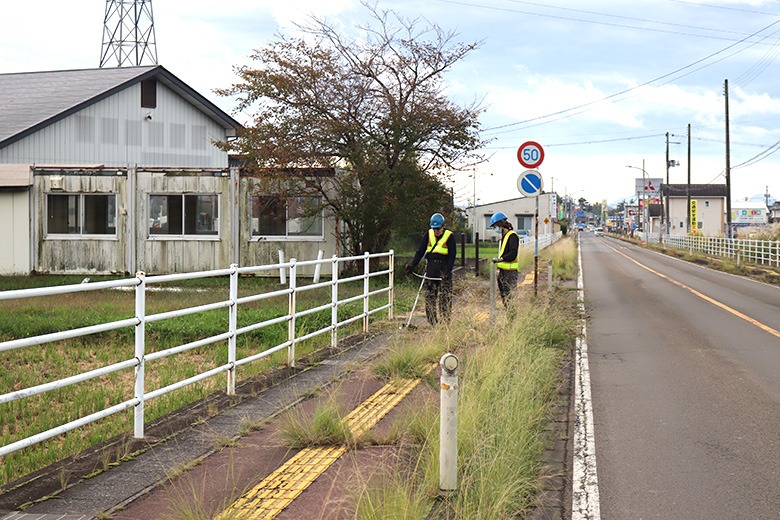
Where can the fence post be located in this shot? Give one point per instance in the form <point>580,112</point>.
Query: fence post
<point>140,341</point>
<point>390,281</point>
<point>366,269</point>
<point>232,319</point>
<point>463,250</point>
<point>334,299</point>
<point>318,267</point>
<point>282,277</point>
<point>291,323</point>
<point>476,254</point>
<point>448,424</point>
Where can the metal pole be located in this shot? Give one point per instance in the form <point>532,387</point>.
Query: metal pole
<point>391,282</point>
<point>536,247</point>
<point>318,267</point>
<point>448,425</point>
<point>140,342</point>
<point>334,299</point>
<point>232,321</point>
<point>476,254</point>
<point>549,275</point>
<point>492,293</point>
<point>291,323</point>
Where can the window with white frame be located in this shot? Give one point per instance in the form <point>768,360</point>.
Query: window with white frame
<point>294,217</point>
<point>525,222</point>
<point>80,214</point>
<point>184,214</point>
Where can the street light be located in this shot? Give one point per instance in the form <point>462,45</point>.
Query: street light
<point>644,197</point>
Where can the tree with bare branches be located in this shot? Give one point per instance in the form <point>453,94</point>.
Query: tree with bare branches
<point>373,108</point>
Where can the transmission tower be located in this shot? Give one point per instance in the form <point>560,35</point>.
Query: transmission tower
<point>128,34</point>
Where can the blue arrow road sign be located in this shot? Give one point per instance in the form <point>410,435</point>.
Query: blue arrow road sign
<point>530,183</point>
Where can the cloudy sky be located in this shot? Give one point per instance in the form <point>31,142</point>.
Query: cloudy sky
<point>598,83</point>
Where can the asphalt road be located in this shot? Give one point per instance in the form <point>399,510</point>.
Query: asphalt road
<point>685,380</point>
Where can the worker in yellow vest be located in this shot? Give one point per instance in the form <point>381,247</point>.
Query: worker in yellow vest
<point>438,247</point>
<point>508,253</point>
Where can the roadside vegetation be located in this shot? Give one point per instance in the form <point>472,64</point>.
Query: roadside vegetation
<point>508,376</point>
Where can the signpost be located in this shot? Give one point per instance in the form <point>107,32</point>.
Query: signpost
<point>530,155</point>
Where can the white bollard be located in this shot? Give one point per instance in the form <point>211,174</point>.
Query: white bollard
<point>549,275</point>
<point>448,425</point>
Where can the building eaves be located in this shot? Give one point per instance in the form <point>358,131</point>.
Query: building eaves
<point>696,190</point>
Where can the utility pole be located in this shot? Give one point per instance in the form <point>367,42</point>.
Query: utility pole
<point>688,190</point>
<point>665,216</point>
<point>728,163</point>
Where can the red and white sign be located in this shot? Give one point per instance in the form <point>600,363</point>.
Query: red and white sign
<point>530,154</point>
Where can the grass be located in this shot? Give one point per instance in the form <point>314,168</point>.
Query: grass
<point>508,376</point>
<point>325,427</point>
<point>52,361</point>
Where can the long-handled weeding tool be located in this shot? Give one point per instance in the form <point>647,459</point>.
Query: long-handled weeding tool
<point>414,305</point>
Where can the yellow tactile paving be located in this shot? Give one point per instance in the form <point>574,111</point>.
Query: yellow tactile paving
<point>280,488</point>
<point>482,316</point>
<point>529,279</point>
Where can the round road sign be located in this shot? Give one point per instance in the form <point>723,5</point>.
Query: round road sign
<point>530,154</point>
<point>530,183</point>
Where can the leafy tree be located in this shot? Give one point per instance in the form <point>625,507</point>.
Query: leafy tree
<point>373,107</point>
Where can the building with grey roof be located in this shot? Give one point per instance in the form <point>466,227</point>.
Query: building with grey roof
<point>119,170</point>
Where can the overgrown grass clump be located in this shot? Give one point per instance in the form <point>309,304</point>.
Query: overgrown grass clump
<point>508,376</point>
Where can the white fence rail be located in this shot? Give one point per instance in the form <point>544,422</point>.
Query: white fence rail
<point>762,252</point>
<point>141,283</point>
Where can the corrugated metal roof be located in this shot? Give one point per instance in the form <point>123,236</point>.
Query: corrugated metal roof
<point>34,100</point>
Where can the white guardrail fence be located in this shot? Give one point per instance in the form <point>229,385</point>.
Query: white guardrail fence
<point>139,358</point>
<point>762,252</point>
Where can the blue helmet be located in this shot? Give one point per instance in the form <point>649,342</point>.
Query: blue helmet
<point>437,221</point>
<point>497,217</point>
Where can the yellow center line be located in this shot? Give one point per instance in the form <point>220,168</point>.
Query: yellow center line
<point>704,297</point>
<point>280,488</point>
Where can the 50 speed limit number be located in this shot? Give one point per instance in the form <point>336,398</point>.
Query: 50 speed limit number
<point>530,154</point>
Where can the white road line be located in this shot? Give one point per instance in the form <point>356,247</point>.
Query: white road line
<point>585,485</point>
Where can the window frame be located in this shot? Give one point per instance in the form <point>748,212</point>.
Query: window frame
<point>81,215</point>
<point>287,237</point>
<point>183,235</point>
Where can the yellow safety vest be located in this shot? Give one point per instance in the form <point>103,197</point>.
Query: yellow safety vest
<point>441,246</point>
<point>513,265</point>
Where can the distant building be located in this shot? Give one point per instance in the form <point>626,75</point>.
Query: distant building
<point>520,212</point>
<point>707,212</point>
<point>774,212</point>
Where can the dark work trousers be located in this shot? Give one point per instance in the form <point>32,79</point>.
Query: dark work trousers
<point>507,282</point>
<point>438,294</point>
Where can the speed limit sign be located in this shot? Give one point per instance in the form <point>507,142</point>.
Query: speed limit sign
<point>530,154</point>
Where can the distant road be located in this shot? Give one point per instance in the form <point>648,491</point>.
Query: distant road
<point>685,381</point>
